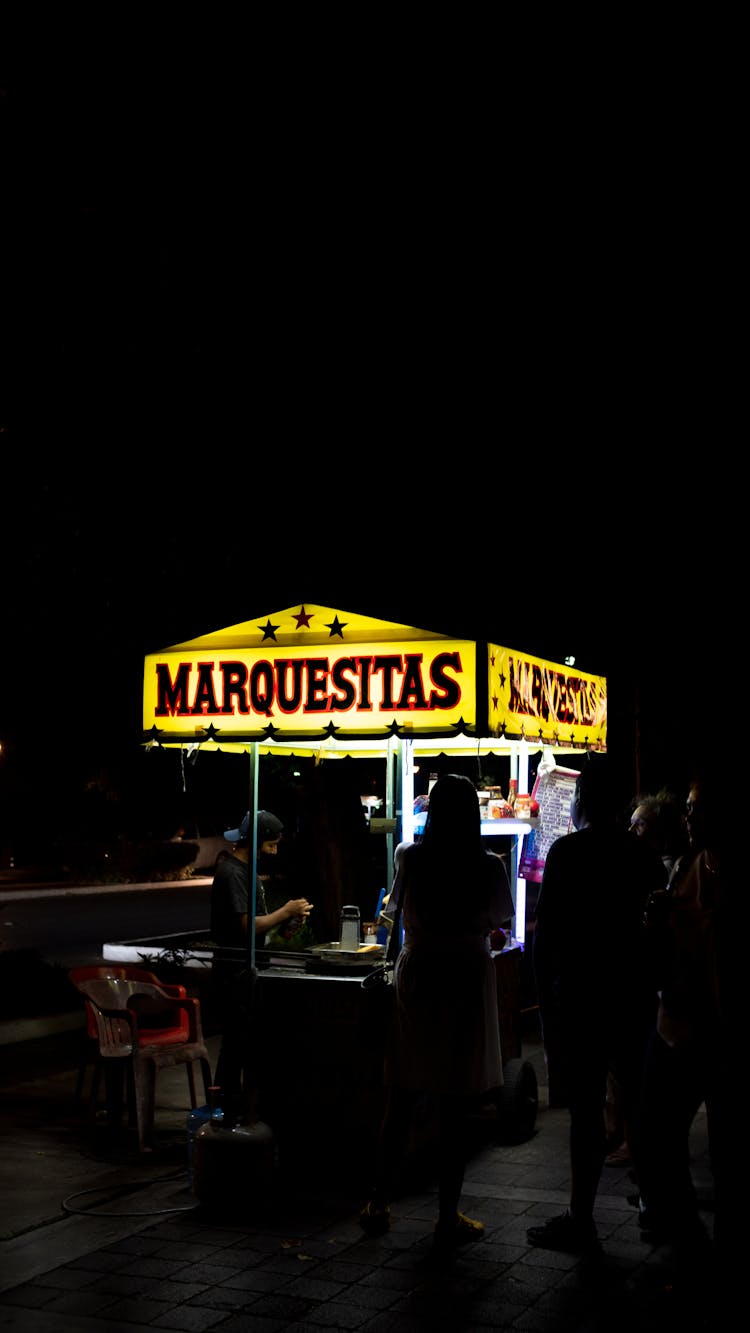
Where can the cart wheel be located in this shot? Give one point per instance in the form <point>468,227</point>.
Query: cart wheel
<point>517,1101</point>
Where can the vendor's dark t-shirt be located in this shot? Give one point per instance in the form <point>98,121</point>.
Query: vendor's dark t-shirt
<point>229,902</point>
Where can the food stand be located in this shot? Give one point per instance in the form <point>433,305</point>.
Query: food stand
<point>313,681</point>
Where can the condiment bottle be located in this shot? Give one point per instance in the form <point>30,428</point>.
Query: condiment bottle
<point>523,806</point>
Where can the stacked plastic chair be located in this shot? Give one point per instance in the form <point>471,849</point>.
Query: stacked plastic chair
<point>141,1026</point>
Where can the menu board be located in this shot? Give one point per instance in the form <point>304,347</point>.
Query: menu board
<point>553,790</point>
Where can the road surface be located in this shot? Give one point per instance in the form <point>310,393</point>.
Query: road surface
<point>71,928</point>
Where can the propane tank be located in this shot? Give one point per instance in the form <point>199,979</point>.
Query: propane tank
<point>234,1163</point>
<point>195,1119</point>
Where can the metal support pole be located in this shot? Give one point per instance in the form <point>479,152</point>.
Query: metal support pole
<point>391,782</point>
<point>253,806</point>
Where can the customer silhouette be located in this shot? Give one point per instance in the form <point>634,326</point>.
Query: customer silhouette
<point>444,1040</point>
<point>693,1049</point>
<point>592,983</point>
<point>658,821</point>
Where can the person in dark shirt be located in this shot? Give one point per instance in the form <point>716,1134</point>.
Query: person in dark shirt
<point>233,979</point>
<point>657,820</point>
<point>595,1000</point>
<point>700,970</point>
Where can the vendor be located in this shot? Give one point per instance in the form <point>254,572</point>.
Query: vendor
<point>230,889</point>
<point>233,980</point>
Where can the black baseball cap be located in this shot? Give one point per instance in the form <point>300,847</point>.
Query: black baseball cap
<point>268,826</point>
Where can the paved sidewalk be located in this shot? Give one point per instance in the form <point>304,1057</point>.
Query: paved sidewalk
<point>98,1237</point>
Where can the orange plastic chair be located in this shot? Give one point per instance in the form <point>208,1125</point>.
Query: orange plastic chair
<point>90,1055</point>
<point>136,1030</point>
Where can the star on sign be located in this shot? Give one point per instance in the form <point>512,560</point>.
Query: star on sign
<point>303,617</point>
<point>269,631</point>
<point>336,627</point>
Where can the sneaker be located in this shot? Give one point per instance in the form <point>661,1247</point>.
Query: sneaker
<point>461,1232</point>
<point>375,1219</point>
<point>562,1233</point>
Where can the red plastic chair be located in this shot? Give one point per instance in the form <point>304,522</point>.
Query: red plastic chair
<point>90,1054</point>
<point>142,1027</point>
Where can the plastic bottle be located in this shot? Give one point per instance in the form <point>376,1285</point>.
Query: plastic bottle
<point>195,1119</point>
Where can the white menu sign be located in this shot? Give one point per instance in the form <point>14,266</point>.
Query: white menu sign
<point>553,791</point>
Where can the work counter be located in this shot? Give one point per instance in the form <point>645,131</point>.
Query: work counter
<point>321,1039</point>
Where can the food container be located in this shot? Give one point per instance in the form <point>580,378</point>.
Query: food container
<point>498,809</point>
<point>331,958</point>
<point>361,953</point>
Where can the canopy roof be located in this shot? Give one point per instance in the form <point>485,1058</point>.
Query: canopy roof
<point>313,680</point>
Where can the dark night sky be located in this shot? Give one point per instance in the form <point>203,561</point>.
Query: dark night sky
<point>253,358</point>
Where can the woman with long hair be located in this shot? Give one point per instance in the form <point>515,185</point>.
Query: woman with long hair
<point>444,1039</point>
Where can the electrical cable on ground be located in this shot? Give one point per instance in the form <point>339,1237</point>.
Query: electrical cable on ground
<point>128,1188</point>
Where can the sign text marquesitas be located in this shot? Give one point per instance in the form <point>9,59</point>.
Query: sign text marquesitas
<point>433,686</point>
<point>357,687</point>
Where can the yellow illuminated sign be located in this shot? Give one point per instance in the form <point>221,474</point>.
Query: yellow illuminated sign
<point>311,673</point>
<point>545,702</point>
<point>355,688</point>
